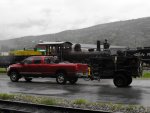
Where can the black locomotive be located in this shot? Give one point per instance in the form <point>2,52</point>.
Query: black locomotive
<point>104,65</point>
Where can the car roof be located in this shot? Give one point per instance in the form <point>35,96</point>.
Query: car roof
<point>45,56</point>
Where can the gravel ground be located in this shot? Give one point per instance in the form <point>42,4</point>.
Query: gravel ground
<point>78,103</point>
<point>119,108</point>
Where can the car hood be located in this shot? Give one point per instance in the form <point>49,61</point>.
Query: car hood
<point>15,65</point>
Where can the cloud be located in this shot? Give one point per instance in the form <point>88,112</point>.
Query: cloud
<point>29,24</point>
<point>33,17</point>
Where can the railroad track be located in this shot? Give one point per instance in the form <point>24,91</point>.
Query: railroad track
<point>22,107</point>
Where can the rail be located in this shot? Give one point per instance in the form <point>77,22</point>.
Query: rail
<point>23,107</point>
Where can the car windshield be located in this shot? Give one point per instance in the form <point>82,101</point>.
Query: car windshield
<point>28,60</point>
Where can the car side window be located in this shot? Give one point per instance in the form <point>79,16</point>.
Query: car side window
<point>37,60</point>
<point>28,60</point>
<point>47,60</point>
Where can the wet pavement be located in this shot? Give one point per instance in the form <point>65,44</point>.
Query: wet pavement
<point>103,91</point>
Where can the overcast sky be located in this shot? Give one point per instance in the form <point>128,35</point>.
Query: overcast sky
<point>35,17</point>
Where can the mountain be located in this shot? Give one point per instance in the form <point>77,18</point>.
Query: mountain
<point>132,33</point>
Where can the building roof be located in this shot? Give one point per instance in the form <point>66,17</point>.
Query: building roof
<point>53,43</point>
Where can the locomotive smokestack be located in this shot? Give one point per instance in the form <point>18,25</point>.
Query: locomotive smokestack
<point>98,45</point>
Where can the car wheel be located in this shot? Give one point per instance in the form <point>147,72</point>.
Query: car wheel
<point>73,80</point>
<point>28,79</point>
<point>14,77</point>
<point>120,81</point>
<point>61,79</point>
<point>129,80</point>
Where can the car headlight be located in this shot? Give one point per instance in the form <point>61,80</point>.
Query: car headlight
<point>8,69</point>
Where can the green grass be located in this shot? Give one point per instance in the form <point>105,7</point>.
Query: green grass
<point>2,70</point>
<point>80,101</point>
<point>146,75</point>
<point>50,101</point>
<point>6,96</point>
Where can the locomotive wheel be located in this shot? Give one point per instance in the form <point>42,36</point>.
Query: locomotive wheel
<point>73,80</point>
<point>61,79</point>
<point>14,77</point>
<point>120,81</point>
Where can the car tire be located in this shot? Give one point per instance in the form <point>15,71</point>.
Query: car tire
<point>28,79</point>
<point>120,81</point>
<point>129,80</point>
<point>14,76</point>
<point>60,78</point>
<point>73,80</point>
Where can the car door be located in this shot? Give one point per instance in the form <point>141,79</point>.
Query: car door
<point>26,67</point>
<point>49,67</point>
<point>31,66</point>
<point>37,66</point>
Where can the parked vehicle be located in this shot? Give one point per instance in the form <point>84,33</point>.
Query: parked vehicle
<point>46,66</point>
<point>121,68</point>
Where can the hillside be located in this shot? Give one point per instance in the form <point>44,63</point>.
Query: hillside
<point>130,33</point>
